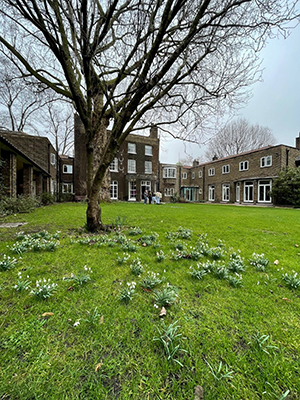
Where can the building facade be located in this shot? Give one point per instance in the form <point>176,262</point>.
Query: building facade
<point>244,178</point>
<point>28,164</point>
<point>133,170</point>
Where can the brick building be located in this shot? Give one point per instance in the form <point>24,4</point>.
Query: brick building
<point>244,178</point>
<point>134,169</point>
<point>29,164</point>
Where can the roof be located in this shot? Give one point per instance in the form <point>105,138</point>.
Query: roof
<point>7,142</point>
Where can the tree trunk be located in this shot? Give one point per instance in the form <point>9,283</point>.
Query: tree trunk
<point>93,214</point>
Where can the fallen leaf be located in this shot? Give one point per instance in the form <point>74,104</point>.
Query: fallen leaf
<point>163,312</point>
<point>98,366</point>
<point>296,245</point>
<point>276,262</point>
<point>46,314</point>
<point>70,288</point>
<point>199,393</point>
<point>285,299</point>
<point>144,245</point>
<point>101,320</point>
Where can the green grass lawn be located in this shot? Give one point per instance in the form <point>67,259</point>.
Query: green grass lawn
<point>99,336</point>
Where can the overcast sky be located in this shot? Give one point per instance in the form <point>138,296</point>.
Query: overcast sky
<point>275,102</point>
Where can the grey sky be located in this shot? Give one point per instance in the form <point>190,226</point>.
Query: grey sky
<point>275,102</point>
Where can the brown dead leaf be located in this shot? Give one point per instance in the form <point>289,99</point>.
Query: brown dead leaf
<point>296,245</point>
<point>199,393</point>
<point>70,288</point>
<point>276,262</point>
<point>101,320</point>
<point>47,314</point>
<point>285,299</point>
<point>163,312</point>
<point>98,366</point>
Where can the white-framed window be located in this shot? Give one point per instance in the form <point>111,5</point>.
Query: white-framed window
<point>51,186</point>
<point>114,190</point>
<point>132,148</point>
<point>114,165</point>
<point>148,150</point>
<point>211,193</point>
<point>132,191</point>
<point>200,173</point>
<point>67,169</point>
<point>169,191</point>
<point>211,172</point>
<point>148,167</point>
<point>237,193</point>
<point>184,175</point>
<point>264,190</point>
<point>131,166</point>
<point>52,159</point>
<point>169,172</point>
<point>244,165</point>
<point>225,192</point>
<point>248,192</point>
<point>226,169</point>
<point>193,175</point>
<point>266,161</point>
<point>67,187</point>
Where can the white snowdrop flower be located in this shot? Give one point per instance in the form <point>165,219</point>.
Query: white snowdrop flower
<point>19,273</point>
<point>27,276</point>
<point>258,283</point>
<point>76,323</point>
<point>165,270</point>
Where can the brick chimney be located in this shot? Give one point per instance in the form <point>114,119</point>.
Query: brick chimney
<point>195,163</point>
<point>153,131</point>
<point>298,142</point>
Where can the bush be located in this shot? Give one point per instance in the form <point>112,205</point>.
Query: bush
<point>20,204</point>
<point>175,198</point>
<point>66,197</point>
<point>286,188</point>
<point>46,199</point>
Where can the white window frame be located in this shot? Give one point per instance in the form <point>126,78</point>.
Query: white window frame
<point>200,173</point>
<point>211,172</point>
<point>69,187</point>
<point>244,165</point>
<point>225,169</point>
<point>114,190</point>
<point>52,159</point>
<point>132,191</point>
<point>114,165</point>
<point>211,193</point>
<point>266,161</point>
<point>237,192</point>
<point>184,175</point>
<point>169,172</point>
<point>248,193</point>
<point>148,150</point>
<point>169,192</point>
<point>67,169</point>
<point>225,192</point>
<point>131,166</point>
<point>264,188</point>
<point>148,167</point>
<point>193,175</point>
<point>131,148</point>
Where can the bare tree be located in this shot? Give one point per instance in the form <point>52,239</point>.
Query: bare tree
<point>21,100</point>
<point>60,126</point>
<point>128,63</point>
<point>239,136</point>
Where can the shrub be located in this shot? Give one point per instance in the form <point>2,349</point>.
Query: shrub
<point>46,199</point>
<point>16,205</point>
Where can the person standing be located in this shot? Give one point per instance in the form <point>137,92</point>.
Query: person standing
<point>157,197</point>
<point>150,196</point>
<point>145,196</point>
